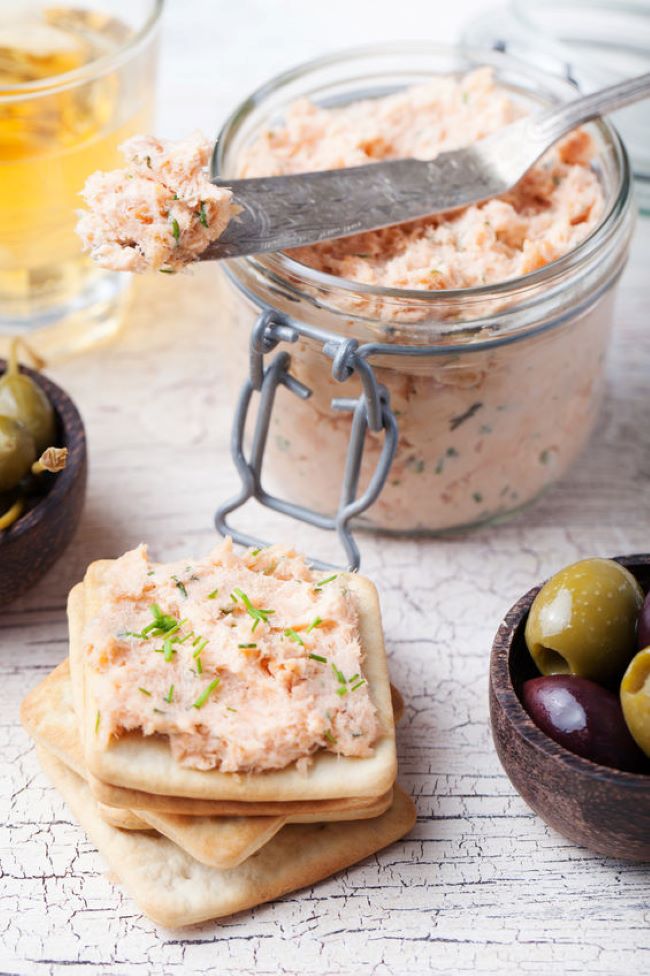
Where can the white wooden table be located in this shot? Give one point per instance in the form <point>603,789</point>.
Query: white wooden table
<point>481,885</point>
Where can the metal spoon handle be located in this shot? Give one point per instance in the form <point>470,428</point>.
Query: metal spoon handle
<point>549,126</point>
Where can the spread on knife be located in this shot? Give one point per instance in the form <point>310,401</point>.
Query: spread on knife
<point>246,663</point>
<point>159,212</point>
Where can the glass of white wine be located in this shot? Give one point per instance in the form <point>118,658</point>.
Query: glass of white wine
<point>75,82</point>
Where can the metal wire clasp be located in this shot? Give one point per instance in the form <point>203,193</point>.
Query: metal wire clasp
<point>370,411</point>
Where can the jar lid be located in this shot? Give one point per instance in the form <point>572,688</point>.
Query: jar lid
<point>591,43</point>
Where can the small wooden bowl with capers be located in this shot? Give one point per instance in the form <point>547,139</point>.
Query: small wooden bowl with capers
<point>42,476</point>
<point>570,703</point>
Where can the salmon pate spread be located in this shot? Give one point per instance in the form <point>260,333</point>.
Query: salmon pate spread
<point>247,663</point>
<point>160,212</point>
<point>551,210</point>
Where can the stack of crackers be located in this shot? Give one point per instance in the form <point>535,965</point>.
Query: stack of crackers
<point>190,845</point>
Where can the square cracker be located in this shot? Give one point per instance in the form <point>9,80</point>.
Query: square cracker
<point>118,796</point>
<point>48,715</point>
<point>175,890</point>
<point>220,841</point>
<point>146,763</point>
<point>345,808</point>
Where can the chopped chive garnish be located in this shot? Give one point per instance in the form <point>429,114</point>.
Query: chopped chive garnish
<point>162,623</point>
<point>340,677</point>
<point>214,594</point>
<point>205,694</point>
<point>168,650</point>
<point>316,622</point>
<point>166,271</point>
<point>176,231</point>
<point>354,677</point>
<point>358,685</point>
<point>324,582</point>
<point>292,635</point>
<point>256,552</point>
<point>317,657</point>
<point>255,612</point>
<point>170,694</point>
<point>159,711</point>
<point>151,572</point>
<point>330,738</point>
<point>180,586</point>
<point>230,708</point>
<point>203,217</point>
<point>199,665</point>
<point>181,640</point>
<point>341,691</point>
<point>197,640</point>
<point>246,646</point>
<point>98,719</point>
<point>145,692</point>
<point>203,642</point>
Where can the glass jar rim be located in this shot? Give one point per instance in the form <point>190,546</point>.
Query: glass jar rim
<point>283,267</point>
<point>87,72</point>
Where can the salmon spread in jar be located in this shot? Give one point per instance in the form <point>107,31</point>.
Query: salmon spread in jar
<point>510,301</point>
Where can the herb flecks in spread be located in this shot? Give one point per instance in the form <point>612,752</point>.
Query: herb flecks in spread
<point>547,214</point>
<point>252,664</point>
<point>158,213</point>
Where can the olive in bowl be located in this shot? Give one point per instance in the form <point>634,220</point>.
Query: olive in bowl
<point>597,806</point>
<point>50,510</point>
<point>583,717</point>
<point>635,698</point>
<point>583,621</point>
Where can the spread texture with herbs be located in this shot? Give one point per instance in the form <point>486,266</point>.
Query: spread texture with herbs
<point>550,211</point>
<point>246,663</point>
<point>160,212</point>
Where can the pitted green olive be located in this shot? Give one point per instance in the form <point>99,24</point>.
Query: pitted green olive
<point>635,698</point>
<point>583,621</point>
<point>17,452</point>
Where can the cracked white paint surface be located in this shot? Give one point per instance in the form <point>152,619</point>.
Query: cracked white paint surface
<point>481,886</point>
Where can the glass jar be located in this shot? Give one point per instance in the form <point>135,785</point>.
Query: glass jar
<point>591,43</point>
<point>508,388</point>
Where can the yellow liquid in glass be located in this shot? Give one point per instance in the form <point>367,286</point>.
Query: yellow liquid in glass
<point>49,144</point>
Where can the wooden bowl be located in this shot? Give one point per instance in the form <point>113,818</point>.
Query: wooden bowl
<point>603,809</point>
<point>36,540</point>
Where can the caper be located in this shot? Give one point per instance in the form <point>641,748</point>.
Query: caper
<point>17,452</point>
<point>583,621</point>
<point>24,400</point>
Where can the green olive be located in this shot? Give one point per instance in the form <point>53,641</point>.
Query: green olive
<point>17,452</point>
<point>24,400</point>
<point>635,698</point>
<point>583,621</point>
